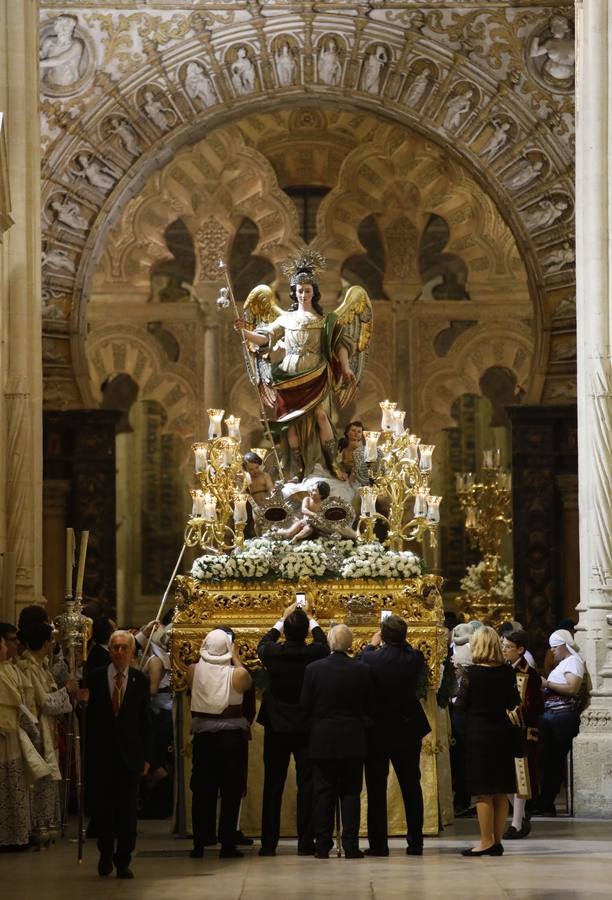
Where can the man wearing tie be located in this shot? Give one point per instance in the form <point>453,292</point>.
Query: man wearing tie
<point>118,724</point>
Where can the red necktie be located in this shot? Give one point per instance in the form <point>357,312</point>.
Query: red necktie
<point>117,693</point>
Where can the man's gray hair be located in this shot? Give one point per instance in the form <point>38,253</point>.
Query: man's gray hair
<point>340,637</point>
<point>121,632</point>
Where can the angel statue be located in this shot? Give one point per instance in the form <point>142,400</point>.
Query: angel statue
<point>324,357</point>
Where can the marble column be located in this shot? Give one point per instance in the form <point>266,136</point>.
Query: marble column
<point>593,747</point>
<point>21,306</point>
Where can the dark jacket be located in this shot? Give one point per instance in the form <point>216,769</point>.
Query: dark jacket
<point>337,696</point>
<point>399,718</point>
<point>285,664</point>
<point>126,734</point>
<point>97,657</point>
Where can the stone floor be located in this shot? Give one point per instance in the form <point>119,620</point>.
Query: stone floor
<point>561,859</point>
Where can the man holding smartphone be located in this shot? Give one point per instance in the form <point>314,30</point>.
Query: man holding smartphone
<point>400,724</point>
<point>287,730</point>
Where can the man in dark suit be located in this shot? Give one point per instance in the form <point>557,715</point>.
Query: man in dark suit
<point>99,655</point>
<point>337,696</point>
<point>287,729</point>
<point>400,723</point>
<point>118,723</point>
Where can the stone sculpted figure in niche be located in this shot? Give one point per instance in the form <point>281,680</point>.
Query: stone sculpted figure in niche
<point>329,68</point>
<point>68,213</point>
<point>323,361</point>
<point>457,108</point>
<point>95,173</point>
<point>199,86</point>
<point>372,70</point>
<point>285,65</point>
<point>558,259</point>
<point>556,53</point>
<point>496,142</point>
<point>524,173</point>
<point>158,114</point>
<point>61,54</point>
<point>125,134</point>
<point>418,88</point>
<point>546,213</point>
<point>58,259</point>
<point>243,73</point>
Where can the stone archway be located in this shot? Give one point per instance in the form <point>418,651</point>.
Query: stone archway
<point>148,103</point>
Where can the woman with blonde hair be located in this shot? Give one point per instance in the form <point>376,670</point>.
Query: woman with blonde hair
<point>488,691</point>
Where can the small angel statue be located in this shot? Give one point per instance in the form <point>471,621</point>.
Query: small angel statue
<point>323,361</point>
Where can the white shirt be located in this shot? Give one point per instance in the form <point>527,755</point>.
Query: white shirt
<point>572,664</point>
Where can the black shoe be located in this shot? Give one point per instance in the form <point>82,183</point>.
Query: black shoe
<point>371,852</point>
<point>490,851</point>
<point>414,850</point>
<point>105,866</point>
<point>354,854</point>
<point>321,854</point>
<point>230,853</point>
<point>197,853</point>
<point>242,840</point>
<point>265,851</point>
<point>306,851</point>
<point>124,872</point>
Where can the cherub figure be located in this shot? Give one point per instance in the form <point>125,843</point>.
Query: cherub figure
<point>311,507</point>
<point>259,483</point>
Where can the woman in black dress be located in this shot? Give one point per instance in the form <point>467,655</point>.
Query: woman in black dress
<point>486,695</point>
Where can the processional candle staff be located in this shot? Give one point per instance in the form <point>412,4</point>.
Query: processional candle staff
<point>69,560</point>
<point>225,298</point>
<point>81,569</point>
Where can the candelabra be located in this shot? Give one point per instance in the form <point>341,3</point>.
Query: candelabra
<point>400,471</point>
<point>486,503</point>
<point>219,511</point>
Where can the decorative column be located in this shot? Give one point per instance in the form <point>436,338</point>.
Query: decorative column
<point>593,747</point>
<point>21,304</point>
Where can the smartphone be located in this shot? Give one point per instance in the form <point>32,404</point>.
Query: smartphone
<point>384,614</point>
<point>300,601</point>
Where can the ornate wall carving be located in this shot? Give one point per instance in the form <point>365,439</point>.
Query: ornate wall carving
<point>456,75</point>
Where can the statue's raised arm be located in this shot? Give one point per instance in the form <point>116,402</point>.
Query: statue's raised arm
<point>323,360</point>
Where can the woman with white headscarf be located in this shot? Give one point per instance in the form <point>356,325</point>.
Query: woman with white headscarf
<point>220,732</point>
<point>560,722</point>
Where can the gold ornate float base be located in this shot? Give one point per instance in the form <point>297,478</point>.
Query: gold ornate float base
<point>251,608</point>
<point>490,609</point>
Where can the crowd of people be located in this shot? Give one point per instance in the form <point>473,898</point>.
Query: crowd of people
<point>340,715</point>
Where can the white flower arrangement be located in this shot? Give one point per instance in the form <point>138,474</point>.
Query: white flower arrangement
<point>265,558</point>
<point>472,582</point>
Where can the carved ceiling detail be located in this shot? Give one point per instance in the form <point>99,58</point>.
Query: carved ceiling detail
<point>490,83</point>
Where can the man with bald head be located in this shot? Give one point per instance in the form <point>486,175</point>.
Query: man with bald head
<point>337,696</point>
<point>118,730</point>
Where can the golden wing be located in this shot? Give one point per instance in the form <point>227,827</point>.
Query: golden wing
<point>261,306</point>
<point>356,317</point>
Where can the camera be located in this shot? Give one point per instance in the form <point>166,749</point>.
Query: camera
<point>300,601</point>
<point>384,614</point>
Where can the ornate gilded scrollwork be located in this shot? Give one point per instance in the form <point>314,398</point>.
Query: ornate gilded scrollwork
<point>251,608</point>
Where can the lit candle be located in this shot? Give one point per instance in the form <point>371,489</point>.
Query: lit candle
<point>368,500</point>
<point>240,508</point>
<point>233,428</point>
<point>491,459</point>
<point>425,463</point>
<point>397,421</point>
<point>210,508</point>
<point>198,504</point>
<point>81,569</point>
<point>471,517</point>
<point>460,481</point>
<point>214,423</point>
<point>201,457</point>
<point>387,407</point>
<point>371,445</point>
<point>227,454</point>
<point>420,503</point>
<point>433,509</point>
<point>69,560</point>
<point>412,448</point>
